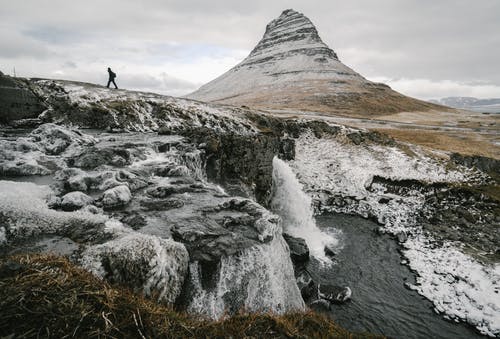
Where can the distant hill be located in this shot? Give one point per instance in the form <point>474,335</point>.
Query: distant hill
<point>470,103</point>
<point>292,68</point>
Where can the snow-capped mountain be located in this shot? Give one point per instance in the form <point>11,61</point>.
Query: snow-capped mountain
<point>470,103</point>
<point>292,68</point>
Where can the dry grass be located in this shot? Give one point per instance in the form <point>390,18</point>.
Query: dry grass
<point>465,143</point>
<point>47,296</point>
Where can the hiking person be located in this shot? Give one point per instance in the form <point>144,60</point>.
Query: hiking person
<point>112,76</point>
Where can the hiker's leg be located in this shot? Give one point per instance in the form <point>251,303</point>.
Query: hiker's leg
<point>114,83</point>
<point>109,81</point>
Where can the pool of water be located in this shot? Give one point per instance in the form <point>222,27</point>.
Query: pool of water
<point>370,265</point>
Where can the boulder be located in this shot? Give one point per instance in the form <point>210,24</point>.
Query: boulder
<point>146,263</point>
<point>75,200</point>
<point>307,286</point>
<point>299,251</point>
<point>116,197</point>
<point>334,294</point>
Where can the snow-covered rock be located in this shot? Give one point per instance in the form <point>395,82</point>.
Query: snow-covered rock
<point>147,263</point>
<point>75,200</point>
<point>55,139</point>
<point>116,196</point>
<point>26,213</point>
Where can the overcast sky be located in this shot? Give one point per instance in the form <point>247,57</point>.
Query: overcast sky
<point>423,48</point>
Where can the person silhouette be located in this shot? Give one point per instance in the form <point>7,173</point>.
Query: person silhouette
<point>112,76</point>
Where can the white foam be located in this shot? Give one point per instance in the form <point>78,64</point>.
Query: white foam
<point>295,208</point>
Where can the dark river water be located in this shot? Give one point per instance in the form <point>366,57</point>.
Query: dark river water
<point>370,265</point>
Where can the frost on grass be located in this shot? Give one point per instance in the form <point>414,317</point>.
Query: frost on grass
<point>148,263</point>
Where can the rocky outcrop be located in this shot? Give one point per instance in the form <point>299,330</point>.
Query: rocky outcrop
<point>291,68</point>
<point>485,164</point>
<point>243,164</point>
<point>17,100</point>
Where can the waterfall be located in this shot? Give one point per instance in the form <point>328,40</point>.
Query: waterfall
<point>258,279</point>
<point>295,208</point>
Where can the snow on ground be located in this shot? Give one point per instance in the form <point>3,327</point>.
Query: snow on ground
<point>458,285</point>
<point>142,108</point>
<point>25,210</point>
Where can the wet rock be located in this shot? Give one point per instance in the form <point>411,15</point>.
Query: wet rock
<point>334,294</point>
<point>22,168</point>
<point>308,288</point>
<point>299,251</point>
<point>401,236</point>
<point>330,251</point>
<point>116,197</point>
<point>225,229</point>
<point>94,157</point>
<point>164,191</point>
<point>75,200</point>
<point>147,263</point>
<point>161,205</point>
<point>134,220</point>
<point>172,170</point>
<point>384,200</point>
<point>247,158</point>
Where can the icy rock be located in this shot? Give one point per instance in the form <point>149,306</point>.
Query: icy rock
<point>146,263</point>
<point>55,139</point>
<point>256,279</point>
<point>334,294</point>
<point>75,200</point>
<point>226,229</point>
<point>22,168</point>
<point>71,179</point>
<point>26,213</point>
<point>116,196</point>
<point>94,157</point>
<point>299,251</point>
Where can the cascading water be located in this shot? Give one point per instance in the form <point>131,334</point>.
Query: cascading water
<point>294,206</point>
<point>260,278</point>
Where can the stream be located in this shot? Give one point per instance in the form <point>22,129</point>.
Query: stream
<point>371,265</point>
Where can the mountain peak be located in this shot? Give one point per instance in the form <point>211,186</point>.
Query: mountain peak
<point>291,68</point>
<point>291,31</point>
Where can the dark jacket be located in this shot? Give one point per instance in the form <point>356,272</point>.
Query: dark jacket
<point>112,74</point>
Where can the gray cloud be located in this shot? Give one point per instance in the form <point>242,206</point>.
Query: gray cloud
<point>442,42</point>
